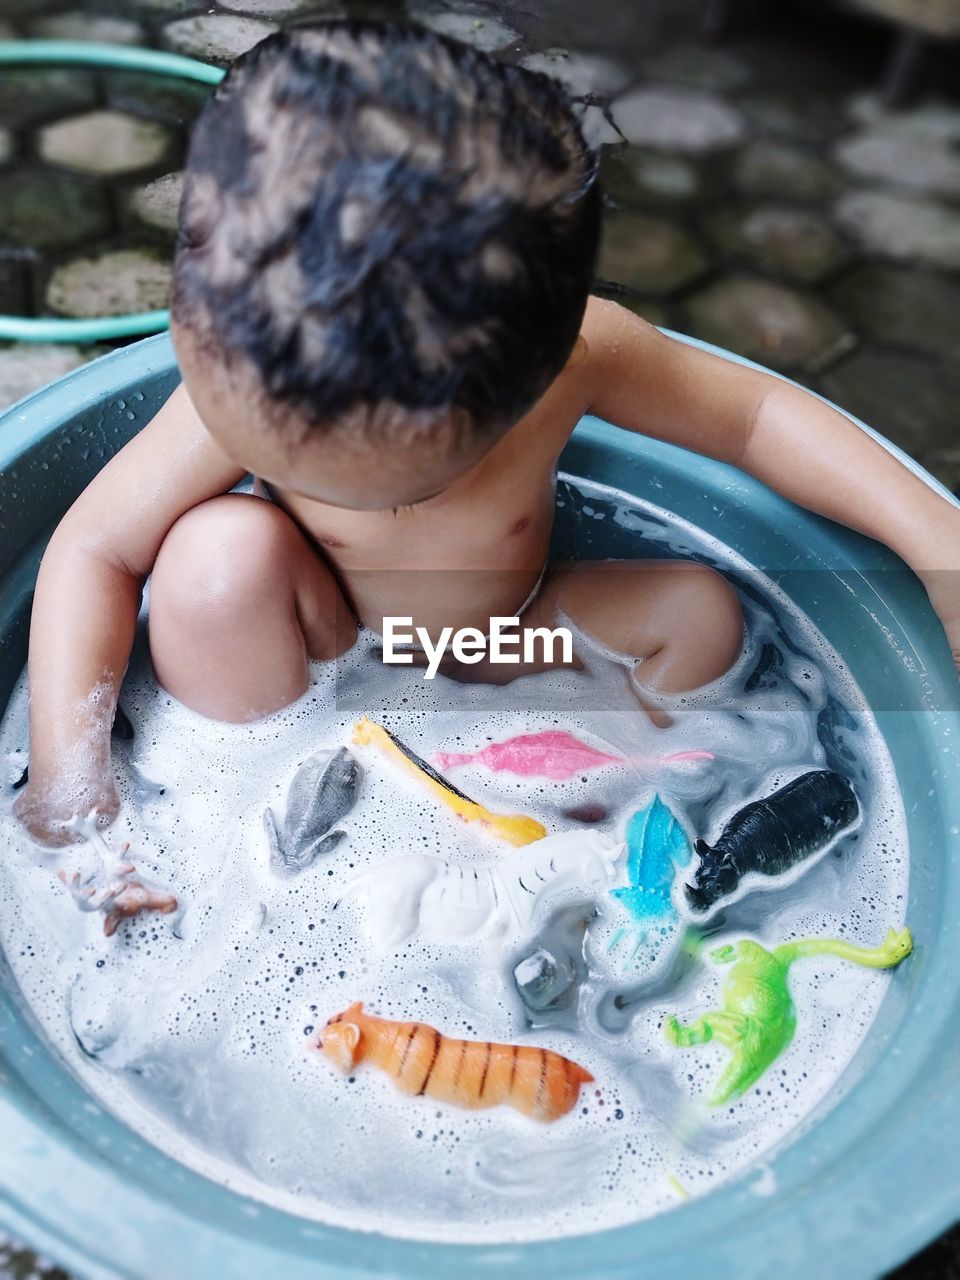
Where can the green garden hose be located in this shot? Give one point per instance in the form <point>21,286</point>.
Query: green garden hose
<point>118,58</point>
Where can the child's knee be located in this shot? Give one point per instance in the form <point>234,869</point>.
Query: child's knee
<point>713,604</point>
<point>222,556</point>
<point>225,634</point>
<point>709,623</point>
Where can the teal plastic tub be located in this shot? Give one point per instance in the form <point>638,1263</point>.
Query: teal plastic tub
<point>871,1177</point>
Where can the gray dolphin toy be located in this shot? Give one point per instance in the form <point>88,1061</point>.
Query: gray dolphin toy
<point>323,791</point>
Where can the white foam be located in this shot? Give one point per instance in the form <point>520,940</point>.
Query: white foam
<point>199,1041</point>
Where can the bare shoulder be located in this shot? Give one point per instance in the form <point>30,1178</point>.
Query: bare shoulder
<point>167,468</point>
<point>174,454</point>
<point>605,321</point>
<point>573,392</point>
<point>613,336</point>
<point>176,439</point>
<point>178,415</point>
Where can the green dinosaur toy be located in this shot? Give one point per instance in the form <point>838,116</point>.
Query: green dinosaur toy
<point>758,1017</point>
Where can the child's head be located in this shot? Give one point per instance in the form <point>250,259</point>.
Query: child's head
<point>386,244</point>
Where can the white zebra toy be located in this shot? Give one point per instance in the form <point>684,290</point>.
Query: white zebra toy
<point>459,902</point>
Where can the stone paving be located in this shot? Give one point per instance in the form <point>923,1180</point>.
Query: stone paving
<point>760,200</point>
<point>757,193</point>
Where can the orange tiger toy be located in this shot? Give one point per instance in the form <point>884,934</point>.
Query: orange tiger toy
<point>468,1073</point>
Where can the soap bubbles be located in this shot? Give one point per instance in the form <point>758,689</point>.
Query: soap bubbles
<point>198,1037</point>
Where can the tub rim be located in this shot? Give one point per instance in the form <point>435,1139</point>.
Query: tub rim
<point>928,1146</point>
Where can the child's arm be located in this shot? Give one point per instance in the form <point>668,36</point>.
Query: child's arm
<point>782,435</point>
<point>86,605</point>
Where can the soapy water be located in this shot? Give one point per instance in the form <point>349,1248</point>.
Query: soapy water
<point>194,1028</point>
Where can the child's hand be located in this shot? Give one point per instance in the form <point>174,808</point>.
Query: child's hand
<point>45,808</point>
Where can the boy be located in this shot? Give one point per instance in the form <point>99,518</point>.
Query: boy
<point>381,311</point>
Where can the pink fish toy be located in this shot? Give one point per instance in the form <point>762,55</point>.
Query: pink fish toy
<point>553,754</point>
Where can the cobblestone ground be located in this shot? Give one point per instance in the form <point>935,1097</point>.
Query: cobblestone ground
<point>758,196</point>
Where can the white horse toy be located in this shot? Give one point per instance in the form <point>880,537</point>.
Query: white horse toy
<point>459,902</point>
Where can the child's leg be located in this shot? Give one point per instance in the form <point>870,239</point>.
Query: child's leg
<point>239,601</point>
<point>682,619</point>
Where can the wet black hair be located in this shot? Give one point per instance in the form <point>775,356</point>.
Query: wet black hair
<point>376,215</point>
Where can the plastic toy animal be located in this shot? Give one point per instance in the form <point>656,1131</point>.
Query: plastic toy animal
<point>758,1018</point>
<point>455,902</point>
<point>545,981</point>
<point>118,895</point>
<point>553,754</point>
<point>516,829</point>
<point>121,898</point>
<point>323,791</point>
<point>769,837</point>
<point>467,1073</point>
<point>657,846</point>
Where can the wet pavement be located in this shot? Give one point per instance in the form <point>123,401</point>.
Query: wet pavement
<point>758,196</point>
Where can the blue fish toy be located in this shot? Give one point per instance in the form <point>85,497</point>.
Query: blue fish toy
<point>657,848</point>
